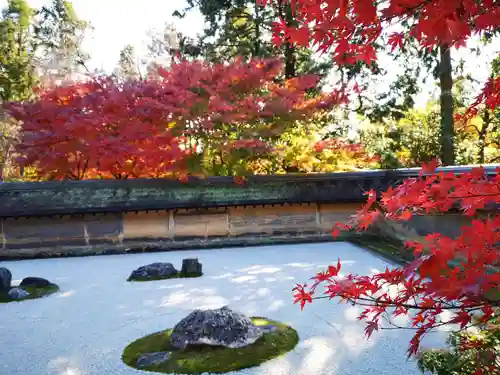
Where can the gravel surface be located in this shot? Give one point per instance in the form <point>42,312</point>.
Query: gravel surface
<point>83,329</point>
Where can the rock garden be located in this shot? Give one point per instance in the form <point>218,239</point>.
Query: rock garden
<point>211,341</point>
<point>29,288</point>
<point>160,271</point>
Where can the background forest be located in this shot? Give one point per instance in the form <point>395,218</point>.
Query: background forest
<point>229,102</point>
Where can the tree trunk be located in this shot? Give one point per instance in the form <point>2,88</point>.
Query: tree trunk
<point>290,61</point>
<point>446,85</point>
<point>257,31</point>
<point>285,12</point>
<point>482,135</point>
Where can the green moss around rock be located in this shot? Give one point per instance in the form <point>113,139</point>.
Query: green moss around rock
<point>178,275</point>
<point>210,359</point>
<point>34,293</point>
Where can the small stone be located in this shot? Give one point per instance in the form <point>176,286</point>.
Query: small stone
<point>191,266</point>
<point>153,271</point>
<point>5,279</point>
<point>268,328</point>
<point>218,327</point>
<point>36,282</point>
<point>18,293</point>
<point>151,359</point>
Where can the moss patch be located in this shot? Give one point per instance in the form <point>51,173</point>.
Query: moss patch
<point>218,360</point>
<point>35,292</point>
<point>178,275</point>
<point>390,249</point>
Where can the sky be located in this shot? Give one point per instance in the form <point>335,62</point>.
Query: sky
<point>120,22</point>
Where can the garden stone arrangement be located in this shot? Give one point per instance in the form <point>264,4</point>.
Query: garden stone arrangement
<point>191,267</point>
<point>100,324</point>
<point>213,340</point>
<point>29,288</point>
<point>219,327</point>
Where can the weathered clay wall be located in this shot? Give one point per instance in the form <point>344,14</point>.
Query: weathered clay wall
<point>194,228</point>
<point>163,230</point>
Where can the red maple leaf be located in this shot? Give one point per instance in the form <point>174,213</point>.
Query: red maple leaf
<point>396,40</point>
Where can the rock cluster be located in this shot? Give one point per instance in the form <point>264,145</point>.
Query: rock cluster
<point>217,327</point>
<point>18,292</point>
<point>157,271</point>
<point>5,279</point>
<point>153,271</point>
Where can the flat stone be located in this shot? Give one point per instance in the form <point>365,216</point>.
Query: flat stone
<point>151,359</point>
<point>268,328</point>
<point>5,279</point>
<point>191,266</point>
<point>153,271</point>
<point>18,293</point>
<point>217,327</point>
<point>36,282</point>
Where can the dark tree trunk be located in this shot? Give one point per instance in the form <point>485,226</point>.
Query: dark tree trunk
<point>446,85</point>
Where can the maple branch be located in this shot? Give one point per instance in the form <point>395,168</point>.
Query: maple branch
<point>407,306</point>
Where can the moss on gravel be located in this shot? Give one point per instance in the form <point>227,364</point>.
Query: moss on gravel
<point>210,359</point>
<point>178,275</point>
<point>35,292</point>
<point>391,249</point>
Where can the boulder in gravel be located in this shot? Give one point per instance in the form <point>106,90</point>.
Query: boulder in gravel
<point>217,327</point>
<point>18,293</point>
<point>153,271</point>
<point>151,359</point>
<point>36,282</point>
<point>5,279</point>
<point>191,266</point>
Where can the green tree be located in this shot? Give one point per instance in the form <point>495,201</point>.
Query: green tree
<point>478,136</point>
<point>17,63</point>
<point>468,351</point>
<point>408,142</point>
<point>243,28</point>
<point>128,64</point>
<point>17,72</point>
<point>59,36</point>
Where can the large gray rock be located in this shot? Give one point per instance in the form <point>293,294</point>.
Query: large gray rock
<point>18,293</point>
<point>151,359</point>
<point>5,279</point>
<point>191,266</point>
<point>153,271</point>
<point>36,282</point>
<point>218,327</point>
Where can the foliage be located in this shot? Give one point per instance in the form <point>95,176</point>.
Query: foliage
<point>148,128</point>
<point>59,36</point>
<point>408,142</point>
<point>457,275</point>
<point>212,359</point>
<point>128,66</point>
<point>352,30</point>
<point>479,125</point>
<point>34,293</point>
<point>240,28</point>
<point>351,27</point>
<point>17,76</point>
<point>465,357</point>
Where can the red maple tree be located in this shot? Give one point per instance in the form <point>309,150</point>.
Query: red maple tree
<point>350,28</point>
<point>148,128</point>
<point>461,274</point>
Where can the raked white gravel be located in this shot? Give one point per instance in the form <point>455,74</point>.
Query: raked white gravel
<point>83,329</point>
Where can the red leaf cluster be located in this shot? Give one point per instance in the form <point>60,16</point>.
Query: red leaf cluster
<point>350,27</point>
<point>141,128</point>
<point>458,275</point>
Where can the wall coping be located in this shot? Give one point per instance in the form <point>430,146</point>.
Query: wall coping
<point>25,199</point>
